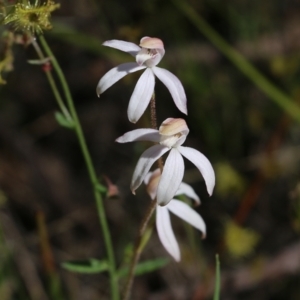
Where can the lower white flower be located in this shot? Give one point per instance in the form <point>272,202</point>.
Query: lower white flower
<point>178,208</point>
<point>170,136</point>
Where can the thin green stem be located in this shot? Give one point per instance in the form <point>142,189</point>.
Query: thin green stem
<point>52,83</point>
<point>218,279</point>
<point>91,172</point>
<point>274,93</point>
<point>137,251</point>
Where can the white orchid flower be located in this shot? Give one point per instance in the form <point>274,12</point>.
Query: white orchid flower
<point>170,136</point>
<point>147,56</point>
<point>178,208</point>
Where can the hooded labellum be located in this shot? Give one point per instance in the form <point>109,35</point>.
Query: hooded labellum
<point>178,208</point>
<point>147,55</point>
<point>170,136</point>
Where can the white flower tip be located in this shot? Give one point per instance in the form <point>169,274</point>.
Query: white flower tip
<point>132,120</point>
<point>98,90</point>
<point>210,190</point>
<point>151,43</point>
<point>120,139</point>
<point>177,259</point>
<point>203,235</point>
<point>183,107</point>
<point>209,177</point>
<point>133,188</point>
<point>106,43</point>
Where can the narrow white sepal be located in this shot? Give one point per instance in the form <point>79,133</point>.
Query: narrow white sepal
<point>144,164</point>
<point>203,164</point>
<point>165,232</point>
<point>186,213</point>
<point>128,47</point>
<point>141,96</point>
<point>171,177</point>
<point>186,189</point>
<point>115,74</point>
<point>142,134</point>
<point>174,86</point>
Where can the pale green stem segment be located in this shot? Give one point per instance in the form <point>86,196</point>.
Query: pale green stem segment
<point>137,251</point>
<point>275,94</point>
<point>91,172</point>
<point>52,83</point>
<point>218,279</point>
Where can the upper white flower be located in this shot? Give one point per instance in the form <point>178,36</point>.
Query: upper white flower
<point>170,136</point>
<point>147,56</point>
<point>178,208</point>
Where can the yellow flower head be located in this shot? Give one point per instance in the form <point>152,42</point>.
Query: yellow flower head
<point>28,17</point>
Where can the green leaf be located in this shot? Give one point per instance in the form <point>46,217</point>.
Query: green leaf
<point>63,121</point>
<point>145,267</point>
<point>218,279</point>
<point>90,266</point>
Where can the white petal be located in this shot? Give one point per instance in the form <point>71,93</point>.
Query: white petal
<point>115,74</point>
<point>165,232</point>
<point>174,86</point>
<point>143,134</point>
<point>141,96</point>
<point>128,47</point>
<point>202,163</point>
<point>171,177</point>
<point>144,164</point>
<point>186,189</point>
<point>186,213</point>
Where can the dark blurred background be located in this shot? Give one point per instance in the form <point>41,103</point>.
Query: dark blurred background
<point>48,214</point>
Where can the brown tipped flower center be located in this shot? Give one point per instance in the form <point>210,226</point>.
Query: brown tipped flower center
<point>33,17</point>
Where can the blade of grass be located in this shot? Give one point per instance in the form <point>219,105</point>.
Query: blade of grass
<point>265,85</point>
<point>218,279</point>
